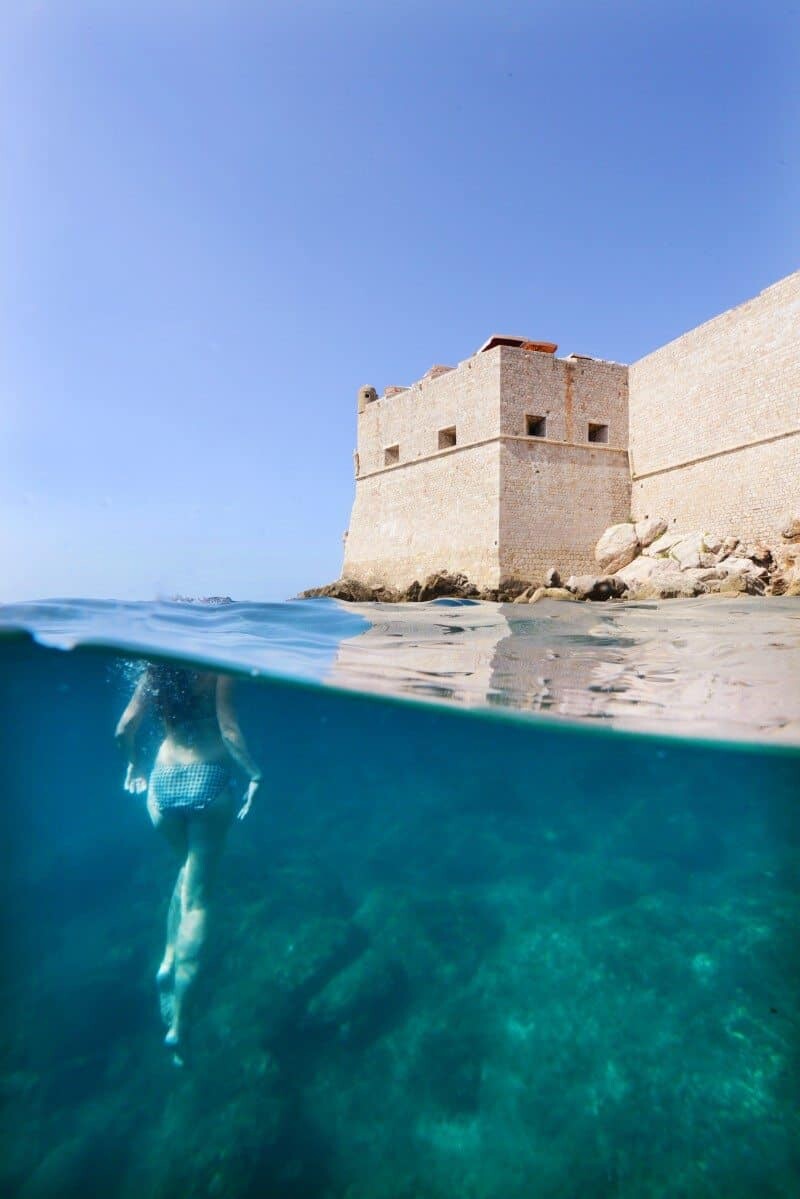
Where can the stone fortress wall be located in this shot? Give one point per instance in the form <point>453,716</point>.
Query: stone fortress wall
<point>432,509</point>
<point>559,492</point>
<point>516,460</point>
<point>487,469</point>
<point>715,421</point>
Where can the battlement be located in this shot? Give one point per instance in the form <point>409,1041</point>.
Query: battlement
<point>510,387</point>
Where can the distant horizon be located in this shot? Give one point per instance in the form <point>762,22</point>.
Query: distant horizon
<point>217,229</point>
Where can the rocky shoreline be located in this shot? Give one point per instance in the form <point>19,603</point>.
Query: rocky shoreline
<point>636,561</point>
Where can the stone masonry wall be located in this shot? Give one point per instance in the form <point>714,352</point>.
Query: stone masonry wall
<point>499,503</point>
<point>715,421</point>
<point>712,423</point>
<point>559,492</point>
<point>556,501</point>
<point>568,392</point>
<point>439,513</point>
<point>436,509</point>
<point>747,493</point>
<point>467,397</point>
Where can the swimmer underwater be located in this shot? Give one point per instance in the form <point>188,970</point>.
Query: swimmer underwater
<point>190,799</point>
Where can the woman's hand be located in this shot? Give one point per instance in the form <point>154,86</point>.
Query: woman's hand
<point>252,787</point>
<point>135,782</point>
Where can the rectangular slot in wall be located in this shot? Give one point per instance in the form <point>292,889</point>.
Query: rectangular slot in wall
<point>535,426</point>
<point>447,438</point>
<point>391,455</point>
<point>598,433</point>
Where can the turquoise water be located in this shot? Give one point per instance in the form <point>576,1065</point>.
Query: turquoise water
<point>481,940</point>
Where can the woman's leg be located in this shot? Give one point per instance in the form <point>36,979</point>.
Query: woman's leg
<point>206,837</point>
<point>164,975</point>
<point>173,826</point>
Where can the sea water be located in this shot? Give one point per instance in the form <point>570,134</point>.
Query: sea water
<point>481,936</point>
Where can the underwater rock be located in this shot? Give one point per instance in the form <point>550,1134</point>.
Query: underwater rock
<point>361,1001</point>
<point>447,1068</point>
<point>319,947</point>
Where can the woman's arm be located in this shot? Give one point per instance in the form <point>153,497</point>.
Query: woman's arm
<point>127,728</point>
<point>234,740</point>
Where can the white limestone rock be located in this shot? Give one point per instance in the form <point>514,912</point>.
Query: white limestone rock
<point>758,552</point>
<point>668,584</point>
<point>662,545</point>
<point>791,530</point>
<point>618,546</point>
<point>554,593</point>
<point>639,570</point>
<point>688,551</point>
<point>649,529</point>
<point>729,585</point>
<point>704,574</point>
<point>742,566</point>
<point>788,557</point>
<point>645,577</point>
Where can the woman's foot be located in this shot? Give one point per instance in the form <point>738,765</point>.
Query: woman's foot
<point>172,1041</point>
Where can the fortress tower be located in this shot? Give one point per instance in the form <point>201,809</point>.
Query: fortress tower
<point>516,460</point>
<point>507,464</point>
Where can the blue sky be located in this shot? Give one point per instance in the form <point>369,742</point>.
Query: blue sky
<point>218,220</point>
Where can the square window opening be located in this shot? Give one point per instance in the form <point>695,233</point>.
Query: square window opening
<point>391,455</point>
<point>447,438</point>
<point>536,426</point>
<point>598,433</point>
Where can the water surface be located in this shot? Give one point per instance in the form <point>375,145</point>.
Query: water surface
<point>478,938</point>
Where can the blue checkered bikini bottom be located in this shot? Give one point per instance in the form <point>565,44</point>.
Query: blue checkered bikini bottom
<point>191,786</point>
